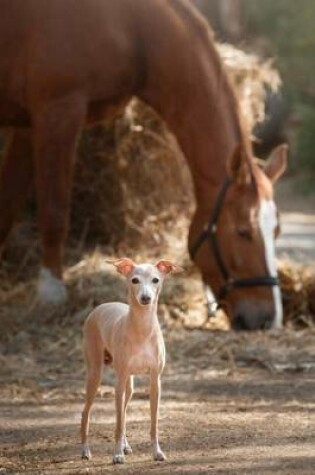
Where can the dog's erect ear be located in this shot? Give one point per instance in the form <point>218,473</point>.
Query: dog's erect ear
<point>124,266</point>
<point>166,267</point>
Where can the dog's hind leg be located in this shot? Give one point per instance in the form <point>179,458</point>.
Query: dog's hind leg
<point>94,355</point>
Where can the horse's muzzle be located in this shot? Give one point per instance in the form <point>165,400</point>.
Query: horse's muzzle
<point>251,317</point>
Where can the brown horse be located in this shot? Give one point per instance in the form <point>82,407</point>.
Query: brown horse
<point>67,63</point>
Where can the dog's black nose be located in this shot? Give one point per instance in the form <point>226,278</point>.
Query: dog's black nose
<point>145,299</point>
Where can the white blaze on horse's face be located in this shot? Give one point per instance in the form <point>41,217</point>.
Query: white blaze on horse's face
<point>268,221</point>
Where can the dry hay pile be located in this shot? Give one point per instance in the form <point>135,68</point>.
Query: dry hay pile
<point>130,180</point>
<point>298,293</point>
<point>250,75</point>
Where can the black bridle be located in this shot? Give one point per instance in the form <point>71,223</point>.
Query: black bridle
<point>209,233</point>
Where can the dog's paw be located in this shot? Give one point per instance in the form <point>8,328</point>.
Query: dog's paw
<point>127,449</point>
<point>159,456</point>
<point>118,458</point>
<point>86,453</point>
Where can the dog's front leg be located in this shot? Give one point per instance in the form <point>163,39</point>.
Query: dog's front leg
<point>120,396</point>
<point>155,391</point>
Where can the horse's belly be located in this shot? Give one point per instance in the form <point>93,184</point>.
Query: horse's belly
<point>45,61</point>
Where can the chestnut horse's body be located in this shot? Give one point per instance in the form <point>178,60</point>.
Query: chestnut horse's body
<point>71,62</point>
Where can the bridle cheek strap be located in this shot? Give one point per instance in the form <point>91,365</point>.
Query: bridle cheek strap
<point>209,233</point>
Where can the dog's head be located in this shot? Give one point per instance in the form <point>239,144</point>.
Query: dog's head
<point>145,280</point>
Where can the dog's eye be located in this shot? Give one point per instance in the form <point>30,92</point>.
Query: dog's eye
<point>135,280</point>
<point>155,280</point>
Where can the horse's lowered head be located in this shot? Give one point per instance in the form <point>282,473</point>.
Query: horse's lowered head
<point>233,242</point>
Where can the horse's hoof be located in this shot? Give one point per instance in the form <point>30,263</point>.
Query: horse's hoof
<point>118,458</point>
<point>50,289</point>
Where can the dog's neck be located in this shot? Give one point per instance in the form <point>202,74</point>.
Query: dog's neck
<point>142,320</point>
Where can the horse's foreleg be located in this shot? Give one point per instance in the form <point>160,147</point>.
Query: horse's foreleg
<point>57,127</point>
<point>15,179</point>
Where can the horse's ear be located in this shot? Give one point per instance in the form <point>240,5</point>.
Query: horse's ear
<point>124,266</point>
<point>238,168</point>
<point>277,162</point>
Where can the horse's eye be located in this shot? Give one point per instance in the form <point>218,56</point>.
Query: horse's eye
<point>277,231</point>
<point>155,280</point>
<point>245,233</point>
<point>135,280</point>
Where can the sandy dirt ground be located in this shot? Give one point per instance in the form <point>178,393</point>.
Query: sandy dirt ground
<point>231,403</point>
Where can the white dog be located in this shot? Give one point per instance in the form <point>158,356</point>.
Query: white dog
<point>129,337</point>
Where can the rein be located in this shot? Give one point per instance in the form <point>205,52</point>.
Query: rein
<point>209,233</point>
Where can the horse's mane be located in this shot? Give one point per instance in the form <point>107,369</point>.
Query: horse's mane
<point>198,24</point>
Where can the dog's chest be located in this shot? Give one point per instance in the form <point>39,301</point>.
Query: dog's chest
<point>143,358</point>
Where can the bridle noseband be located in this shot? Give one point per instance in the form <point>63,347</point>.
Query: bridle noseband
<point>209,233</point>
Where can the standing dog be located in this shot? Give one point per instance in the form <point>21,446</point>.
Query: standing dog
<point>129,337</point>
